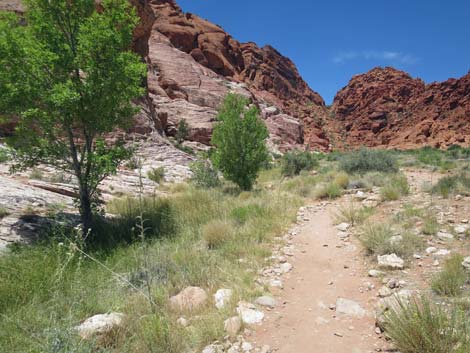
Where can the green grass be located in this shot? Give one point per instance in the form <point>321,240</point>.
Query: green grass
<point>157,175</point>
<point>47,289</point>
<point>396,187</point>
<point>365,160</point>
<point>378,240</point>
<point>423,327</point>
<point>452,278</point>
<point>451,185</point>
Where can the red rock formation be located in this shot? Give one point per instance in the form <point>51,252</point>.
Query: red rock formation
<point>387,107</point>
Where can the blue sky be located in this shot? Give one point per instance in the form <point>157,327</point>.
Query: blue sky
<point>332,40</point>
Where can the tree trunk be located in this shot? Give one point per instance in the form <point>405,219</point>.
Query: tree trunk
<point>86,212</point>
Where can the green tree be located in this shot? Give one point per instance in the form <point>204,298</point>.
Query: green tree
<point>182,132</point>
<point>240,140</point>
<point>69,76</point>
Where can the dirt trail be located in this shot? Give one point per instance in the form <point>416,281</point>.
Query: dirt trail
<point>325,269</point>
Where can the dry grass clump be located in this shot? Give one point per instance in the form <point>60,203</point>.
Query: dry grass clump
<point>216,233</point>
<point>353,213</point>
<point>396,187</point>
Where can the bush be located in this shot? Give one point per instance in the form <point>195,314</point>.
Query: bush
<point>240,140</point>
<point>242,214</point>
<point>366,160</point>
<point>430,225</point>
<point>182,132</point>
<point>353,214</point>
<point>4,155</point>
<point>452,184</point>
<point>157,175</point>
<point>328,190</point>
<point>380,239</point>
<point>396,188</point>
<point>295,161</point>
<point>204,174</point>
<point>421,327</point>
<point>216,233</point>
<point>342,180</point>
<point>451,279</point>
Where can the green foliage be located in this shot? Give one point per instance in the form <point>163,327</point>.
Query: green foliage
<point>157,175</point>
<point>430,225</point>
<point>243,213</point>
<point>239,138</point>
<point>451,279</point>
<point>328,190</point>
<point>452,184</point>
<point>70,76</point>
<point>182,132</point>
<point>380,239</point>
<point>294,162</point>
<point>204,174</point>
<point>3,212</point>
<point>396,187</point>
<point>365,160</point>
<point>421,327</point>
<point>4,155</point>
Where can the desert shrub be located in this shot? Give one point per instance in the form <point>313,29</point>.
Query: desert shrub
<point>365,160</point>
<point>157,175</point>
<point>451,279</point>
<point>36,174</point>
<point>3,212</point>
<point>329,190</point>
<point>452,184</point>
<point>342,180</point>
<point>396,187</point>
<point>353,214</point>
<point>239,137</point>
<point>182,131</point>
<point>380,239</point>
<point>295,161</point>
<point>134,163</point>
<point>204,174</point>
<point>216,233</point>
<point>421,327</point>
<point>4,155</point>
<point>430,156</point>
<point>458,152</point>
<point>430,225</point>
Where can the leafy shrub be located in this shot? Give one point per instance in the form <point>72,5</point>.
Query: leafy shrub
<point>240,140</point>
<point>157,175</point>
<point>204,174</point>
<point>182,132</point>
<point>216,233</point>
<point>4,155</point>
<point>366,160</point>
<point>295,161</point>
<point>451,279</point>
<point>421,327</point>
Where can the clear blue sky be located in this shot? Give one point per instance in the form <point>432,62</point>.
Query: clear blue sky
<point>332,40</point>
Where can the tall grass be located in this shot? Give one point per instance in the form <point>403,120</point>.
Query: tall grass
<point>422,326</point>
<point>47,289</point>
<point>451,279</point>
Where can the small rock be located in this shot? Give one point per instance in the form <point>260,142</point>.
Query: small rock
<point>99,324</point>
<point>266,301</point>
<point>375,273</point>
<point>233,325</point>
<point>286,267</point>
<point>461,229</point>
<point>431,250</point>
<point>249,314</point>
<point>350,308</point>
<point>442,252</point>
<point>182,322</point>
<point>343,227</point>
<point>222,298</point>
<point>247,346</point>
<point>385,292</point>
<point>466,263</point>
<point>391,261</point>
<point>190,298</point>
<point>444,235</point>
<point>265,349</point>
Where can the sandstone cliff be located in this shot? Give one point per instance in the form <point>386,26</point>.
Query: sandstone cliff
<point>387,107</point>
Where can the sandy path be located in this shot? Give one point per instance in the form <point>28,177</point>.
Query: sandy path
<point>325,268</point>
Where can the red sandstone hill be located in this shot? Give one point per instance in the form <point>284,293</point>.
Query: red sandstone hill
<point>387,107</point>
